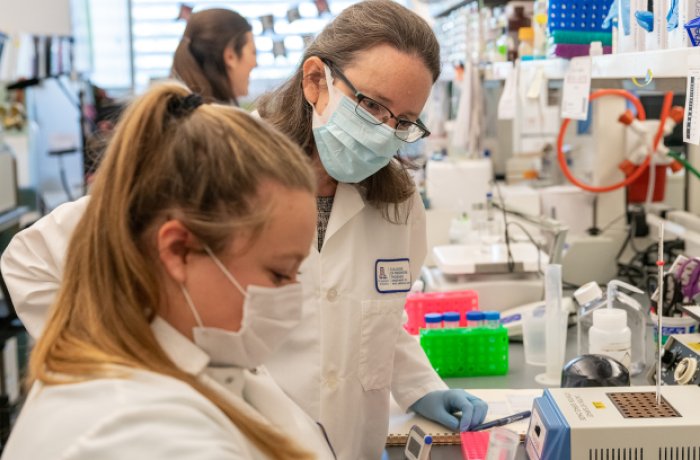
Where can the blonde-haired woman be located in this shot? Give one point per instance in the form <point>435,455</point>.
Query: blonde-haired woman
<point>352,104</point>
<point>179,280</point>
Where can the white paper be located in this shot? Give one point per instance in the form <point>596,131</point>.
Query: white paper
<point>577,89</point>
<point>535,88</point>
<point>460,135</point>
<point>691,120</point>
<point>506,105</point>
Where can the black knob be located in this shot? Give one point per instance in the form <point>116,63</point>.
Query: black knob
<point>668,358</point>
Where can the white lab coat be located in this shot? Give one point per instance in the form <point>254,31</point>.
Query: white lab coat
<point>32,264</point>
<point>149,415</point>
<point>350,350</point>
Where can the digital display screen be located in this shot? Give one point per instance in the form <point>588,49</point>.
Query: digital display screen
<point>413,446</point>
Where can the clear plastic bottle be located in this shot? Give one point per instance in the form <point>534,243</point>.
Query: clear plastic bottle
<point>539,24</point>
<point>492,319</point>
<point>526,37</point>
<point>433,321</point>
<point>489,206</point>
<point>475,319</point>
<point>591,298</point>
<point>491,228</point>
<point>460,229</point>
<point>450,320</point>
<point>610,335</point>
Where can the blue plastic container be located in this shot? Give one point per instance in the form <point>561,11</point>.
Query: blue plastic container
<point>577,15</point>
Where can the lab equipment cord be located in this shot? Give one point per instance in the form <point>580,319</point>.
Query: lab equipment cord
<point>565,284</point>
<point>632,233</point>
<point>511,261</point>
<point>532,240</point>
<point>641,269</point>
<point>64,178</point>
<point>612,222</point>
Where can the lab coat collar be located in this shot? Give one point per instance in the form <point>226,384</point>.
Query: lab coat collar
<point>347,203</point>
<point>181,351</point>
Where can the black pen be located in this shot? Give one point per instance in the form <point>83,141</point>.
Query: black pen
<point>502,421</point>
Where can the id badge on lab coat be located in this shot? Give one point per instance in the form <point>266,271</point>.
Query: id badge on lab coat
<point>392,275</point>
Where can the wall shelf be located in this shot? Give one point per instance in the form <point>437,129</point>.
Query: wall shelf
<point>663,64</point>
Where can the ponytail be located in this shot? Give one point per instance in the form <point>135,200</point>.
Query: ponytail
<point>187,70</point>
<point>168,154</point>
<point>199,58</point>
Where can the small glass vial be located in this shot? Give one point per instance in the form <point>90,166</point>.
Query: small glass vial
<point>433,321</point>
<point>475,319</point>
<point>492,319</point>
<point>450,320</point>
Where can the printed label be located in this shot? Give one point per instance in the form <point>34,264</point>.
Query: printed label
<point>577,89</point>
<point>392,275</point>
<point>691,127</point>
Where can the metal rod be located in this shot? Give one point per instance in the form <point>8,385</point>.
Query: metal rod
<point>659,312</point>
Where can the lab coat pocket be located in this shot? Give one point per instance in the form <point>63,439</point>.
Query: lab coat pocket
<point>381,323</point>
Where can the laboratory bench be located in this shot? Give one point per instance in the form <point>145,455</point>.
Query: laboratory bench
<point>520,375</point>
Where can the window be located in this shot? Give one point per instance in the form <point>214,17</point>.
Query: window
<point>101,30</point>
<point>154,33</point>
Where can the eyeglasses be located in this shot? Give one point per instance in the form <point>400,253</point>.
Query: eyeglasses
<point>375,113</point>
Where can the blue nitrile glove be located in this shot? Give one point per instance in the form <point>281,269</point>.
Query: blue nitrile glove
<point>611,17</point>
<point>645,19</point>
<point>672,16</point>
<point>615,7</point>
<point>441,406</point>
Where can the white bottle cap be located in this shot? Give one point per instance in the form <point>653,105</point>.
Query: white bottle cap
<point>596,49</point>
<point>588,293</point>
<point>610,319</point>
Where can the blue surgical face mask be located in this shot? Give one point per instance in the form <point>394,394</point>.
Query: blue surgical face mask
<point>351,149</point>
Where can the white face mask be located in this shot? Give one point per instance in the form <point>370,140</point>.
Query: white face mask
<point>269,315</point>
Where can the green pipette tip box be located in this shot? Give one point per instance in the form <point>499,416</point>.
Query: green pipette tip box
<point>466,352</point>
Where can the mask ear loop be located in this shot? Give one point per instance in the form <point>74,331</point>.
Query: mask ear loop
<point>190,303</point>
<point>225,271</point>
<point>329,78</point>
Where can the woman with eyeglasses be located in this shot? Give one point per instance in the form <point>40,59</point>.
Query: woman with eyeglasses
<point>352,104</point>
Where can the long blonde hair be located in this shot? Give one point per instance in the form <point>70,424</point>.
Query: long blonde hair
<point>206,165</point>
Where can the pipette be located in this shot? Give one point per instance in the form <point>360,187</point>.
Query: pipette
<point>659,312</point>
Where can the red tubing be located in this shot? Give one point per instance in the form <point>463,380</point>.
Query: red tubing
<point>641,115</point>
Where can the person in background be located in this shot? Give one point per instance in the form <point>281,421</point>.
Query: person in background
<point>352,104</point>
<point>177,285</point>
<point>216,55</point>
<point>214,59</point>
